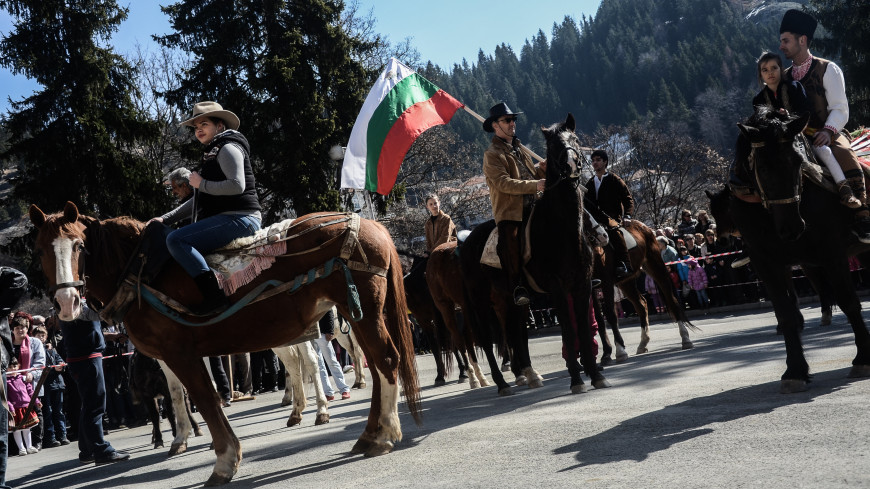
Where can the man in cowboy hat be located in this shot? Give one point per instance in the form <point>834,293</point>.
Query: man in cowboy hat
<point>826,92</point>
<point>513,181</point>
<point>612,204</point>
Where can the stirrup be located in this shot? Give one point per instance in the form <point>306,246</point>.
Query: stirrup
<point>740,262</point>
<point>521,296</point>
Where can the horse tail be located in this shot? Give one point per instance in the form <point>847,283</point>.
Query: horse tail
<point>396,309</point>
<point>655,267</point>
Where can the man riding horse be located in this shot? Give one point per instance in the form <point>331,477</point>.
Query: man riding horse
<point>612,204</point>
<point>513,182</point>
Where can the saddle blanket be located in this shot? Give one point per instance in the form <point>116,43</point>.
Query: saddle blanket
<point>234,269</point>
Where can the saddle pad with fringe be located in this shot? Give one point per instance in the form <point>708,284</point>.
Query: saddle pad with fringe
<point>234,269</point>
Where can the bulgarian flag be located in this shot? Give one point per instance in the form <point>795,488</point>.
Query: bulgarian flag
<point>400,106</point>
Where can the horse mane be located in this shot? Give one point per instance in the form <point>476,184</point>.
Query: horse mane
<point>112,240</point>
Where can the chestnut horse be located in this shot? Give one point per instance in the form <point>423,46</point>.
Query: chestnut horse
<point>647,255</point>
<point>372,264</point>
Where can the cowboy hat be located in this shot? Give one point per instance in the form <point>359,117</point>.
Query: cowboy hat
<point>499,110</point>
<point>212,109</point>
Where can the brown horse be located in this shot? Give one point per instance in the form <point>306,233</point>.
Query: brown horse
<point>372,264</point>
<point>646,254</point>
<point>444,276</point>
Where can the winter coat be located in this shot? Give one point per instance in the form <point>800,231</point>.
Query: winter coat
<point>697,277</point>
<point>18,392</point>
<point>54,379</point>
<point>508,183</point>
<point>439,230</point>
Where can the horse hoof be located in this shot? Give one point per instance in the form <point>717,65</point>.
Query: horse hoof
<point>600,383</point>
<point>217,480</point>
<point>321,419</point>
<point>177,448</point>
<point>522,380</point>
<point>360,447</point>
<point>688,345</point>
<point>578,389</point>
<point>535,383</point>
<point>158,444</point>
<point>859,371</point>
<point>197,431</point>
<point>608,361</point>
<point>621,358</point>
<point>355,386</point>
<point>642,350</point>
<point>439,382</point>
<point>294,420</point>
<point>362,385</point>
<point>286,402</point>
<point>505,391</point>
<point>827,316</point>
<point>379,449</point>
<point>791,386</point>
<point>506,367</point>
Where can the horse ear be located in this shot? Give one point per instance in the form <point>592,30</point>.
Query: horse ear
<point>796,126</point>
<point>71,212</point>
<point>37,217</point>
<point>708,194</point>
<point>569,123</point>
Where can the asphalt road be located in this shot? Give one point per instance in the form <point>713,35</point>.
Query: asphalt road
<point>707,417</point>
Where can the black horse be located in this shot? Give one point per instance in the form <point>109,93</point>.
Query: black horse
<point>788,222</point>
<point>560,264</point>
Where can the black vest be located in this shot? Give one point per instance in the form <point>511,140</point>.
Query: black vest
<point>210,205</point>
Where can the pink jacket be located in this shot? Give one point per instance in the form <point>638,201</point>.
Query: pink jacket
<point>697,277</point>
<point>18,392</point>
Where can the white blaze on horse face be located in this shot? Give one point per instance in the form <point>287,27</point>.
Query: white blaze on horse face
<point>68,297</point>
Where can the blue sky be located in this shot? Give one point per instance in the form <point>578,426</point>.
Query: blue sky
<point>444,32</point>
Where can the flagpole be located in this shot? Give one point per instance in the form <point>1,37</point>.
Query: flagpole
<point>481,119</point>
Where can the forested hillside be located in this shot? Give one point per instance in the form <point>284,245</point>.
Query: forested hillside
<point>687,64</point>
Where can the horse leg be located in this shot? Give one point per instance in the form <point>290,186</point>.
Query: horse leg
<point>310,370</point>
<point>197,431</point>
<point>192,373</point>
<point>350,345</point>
<point>777,281</point>
<point>437,353</point>
<point>569,342</point>
<point>849,303</point>
<point>606,344</point>
<point>633,295</point>
<point>176,396</point>
<point>612,321</point>
<point>468,334</point>
<point>154,416</point>
<point>289,356</point>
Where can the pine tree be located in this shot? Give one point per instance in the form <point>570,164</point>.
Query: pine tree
<point>292,74</point>
<point>80,137</point>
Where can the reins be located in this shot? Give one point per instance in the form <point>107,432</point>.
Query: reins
<point>766,202</point>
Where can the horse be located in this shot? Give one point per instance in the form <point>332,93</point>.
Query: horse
<point>786,222</point>
<point>300,364</point>
<point>317,244</point>
<point>446,284</point>
<point>431,323</point>
<point>560,264</point>
<point>148,384</point>
<point>645,254</point>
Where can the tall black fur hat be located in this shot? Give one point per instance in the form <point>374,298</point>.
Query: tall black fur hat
<point>798,22</point>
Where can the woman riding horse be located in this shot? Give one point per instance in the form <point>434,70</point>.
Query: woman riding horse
<point>225,205</point>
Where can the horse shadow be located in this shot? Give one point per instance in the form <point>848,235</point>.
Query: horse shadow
<point>677,423</point>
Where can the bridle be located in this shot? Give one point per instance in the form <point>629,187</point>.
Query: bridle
<point>573,176</point>
<point>80,284</point>
<point>798,186</point>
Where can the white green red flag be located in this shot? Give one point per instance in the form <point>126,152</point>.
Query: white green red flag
<point>401,106</point>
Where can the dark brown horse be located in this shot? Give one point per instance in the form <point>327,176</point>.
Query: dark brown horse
<point>646,254</point>
<point>372,265</point>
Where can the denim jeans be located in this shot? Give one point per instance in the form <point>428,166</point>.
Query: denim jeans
<point>55,421</point>
<point>188,244</point>
<point>702,297</point>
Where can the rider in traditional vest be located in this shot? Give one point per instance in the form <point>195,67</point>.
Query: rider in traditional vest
<point>225,201</point>
<point>439,227</point>
<point>613,205</point>
<point>513,182</point>
<point>829,109</point>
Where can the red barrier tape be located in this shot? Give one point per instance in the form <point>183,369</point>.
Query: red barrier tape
<point>64,364</point>
<point>704,257</point>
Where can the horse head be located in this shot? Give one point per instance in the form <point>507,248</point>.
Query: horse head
<point>60,245</point>
<point>563,152</point>
<point>773,161</point>
<point>725,225</point>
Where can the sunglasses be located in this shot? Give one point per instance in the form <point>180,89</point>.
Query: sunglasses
<point>509,119</point>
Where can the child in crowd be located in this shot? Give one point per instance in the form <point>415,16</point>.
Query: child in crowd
<point>52,402</point>
<point>654,293</point>
<point>698,282</point>
<point>18,394</point>
<point>791,97</point>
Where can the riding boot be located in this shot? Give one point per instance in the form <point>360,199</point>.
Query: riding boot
<point>847,197</point>
<point>861,228</point>
<point>214,300</point>
<point>509,250</point>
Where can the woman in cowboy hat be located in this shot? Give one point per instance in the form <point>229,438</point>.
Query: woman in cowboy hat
<point>225,206</point>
